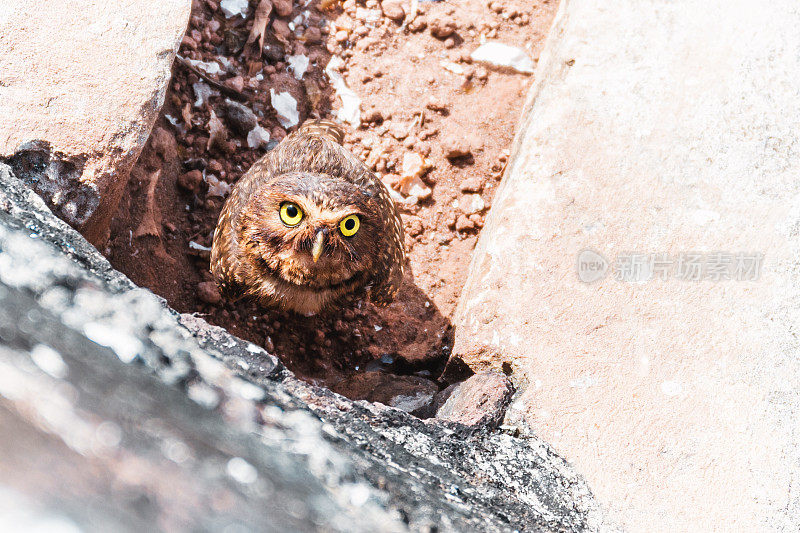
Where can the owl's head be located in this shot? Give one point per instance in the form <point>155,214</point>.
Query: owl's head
<point>312,230</point>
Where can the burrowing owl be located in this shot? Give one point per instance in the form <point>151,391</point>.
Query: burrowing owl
<point>308,226</point>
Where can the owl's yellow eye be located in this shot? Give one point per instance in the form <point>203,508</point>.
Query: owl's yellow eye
<point>349,225</point>
<point>291,214</point>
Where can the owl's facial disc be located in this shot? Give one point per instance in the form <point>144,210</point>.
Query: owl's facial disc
<point>312,231</point>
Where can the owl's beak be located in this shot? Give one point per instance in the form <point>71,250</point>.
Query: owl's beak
<point>319,244</point>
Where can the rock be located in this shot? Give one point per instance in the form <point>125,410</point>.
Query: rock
<point>398,130</point>
<point>471,184</point>
<point>659,392</point>
<point>417,25</point>
<point>207,292</point>
<point>373,116</point>
<point>410,182</point>
<point>391,180</point>
<point>190,181</point>
<point>258,137</point>
<point>217,133</point>
<point>463,223</point>
<point>236,83</point>
<point>456,147</point>
<point>285,106</point>
<point>409,393</point>
<point>414,165</point>
<point>281,29</point>
<point>503,56</point>
<point>393,9</point>
<point>313,35</point>
<point>240,117</point>
<point>441,397</point>
<point>188,405</point>
<point>442,27</point>
<point>282,7</point>
<point>231,8</point>
<point>274,50</point>
<point>471,204</point>
<point>436,104</point>
<point>481,400</point>
<point>74,129</point>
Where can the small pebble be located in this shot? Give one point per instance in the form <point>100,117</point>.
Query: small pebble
<point>191,180</point>
<point>442,28</point>
<point>463,223</point>
<point>240,117</point>
<point>207,291</point>
<point>393,9</point>
<point>471,184</point>
<point>236,83</point>
<point>282,7</point>
<point>436,104</point>
<point>455,147</point>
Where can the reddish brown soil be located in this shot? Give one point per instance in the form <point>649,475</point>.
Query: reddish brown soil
<point>398,74</point>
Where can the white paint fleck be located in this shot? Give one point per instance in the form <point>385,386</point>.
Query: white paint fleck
<point>209,67</point>
<point>216,187</point>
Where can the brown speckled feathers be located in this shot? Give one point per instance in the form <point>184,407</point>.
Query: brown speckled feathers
<point>254,255</point>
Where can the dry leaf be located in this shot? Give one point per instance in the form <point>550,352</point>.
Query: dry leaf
<point>314,94</point>
<point>186,114</point>
<point>259,27</point>
<point>150,224</point>
<point>217,131</point>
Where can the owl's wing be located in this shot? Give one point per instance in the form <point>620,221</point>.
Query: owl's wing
<point>389,275</point>
<point>225,255</point>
